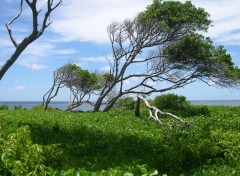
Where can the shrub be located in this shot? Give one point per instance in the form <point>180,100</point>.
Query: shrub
<point>170,101</point>
<point>18,108</point>
<point>179,105</point>
<point>3,107</point>
<point>19,156</point>
<point>41,108</point>
<point>127,103</point>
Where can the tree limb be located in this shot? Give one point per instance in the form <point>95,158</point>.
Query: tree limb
<point>155,116</point>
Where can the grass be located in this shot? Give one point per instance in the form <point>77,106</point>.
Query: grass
<point>118,142</point>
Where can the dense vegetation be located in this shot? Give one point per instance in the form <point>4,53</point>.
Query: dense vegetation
<point>179,105</point>
<point>37,142</point>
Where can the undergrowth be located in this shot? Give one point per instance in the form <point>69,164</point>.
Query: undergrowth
<point>118,143</point>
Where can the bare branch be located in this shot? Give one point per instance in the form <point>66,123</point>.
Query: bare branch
<point>35,33</point>
<point>9,23</point>
<point>155,116</point>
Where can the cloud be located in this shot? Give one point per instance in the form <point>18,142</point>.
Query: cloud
<point>226,20</point>
<point>93,59</point>
<point>35,66</point>
<point>88,20</point>
<point>20,87</point>
<point>106,68</point>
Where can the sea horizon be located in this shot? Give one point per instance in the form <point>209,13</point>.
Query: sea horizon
<point>86,107</point>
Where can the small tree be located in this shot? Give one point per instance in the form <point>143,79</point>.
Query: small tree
<point>82,84</point>
<point>60,77</point>
<point>35,33</point>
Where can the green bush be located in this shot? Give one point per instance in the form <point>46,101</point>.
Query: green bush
<point>19,156</point>
<point>179,105</point>
<point>42,108</point>
<point>170,101</point>
<point>126,103</point>
<point>3,107</point>
<point>18,108</point>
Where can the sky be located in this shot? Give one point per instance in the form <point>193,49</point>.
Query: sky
<point>79,32</point>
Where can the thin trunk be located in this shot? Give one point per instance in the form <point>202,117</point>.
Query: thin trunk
<point>137,110</point>
<point>98,104</point>
<point>112,102</point>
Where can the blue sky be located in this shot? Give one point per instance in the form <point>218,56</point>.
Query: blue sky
<point>79,32</point>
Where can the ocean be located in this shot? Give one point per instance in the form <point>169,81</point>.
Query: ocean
<point>86,107</point>
<point>55,104</point>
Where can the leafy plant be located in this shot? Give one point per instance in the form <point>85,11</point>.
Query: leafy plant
<point>19,156</point>
<point>117,143</point>
<point>178,104</point>
<point>126,103</point>
<point>3,107</point>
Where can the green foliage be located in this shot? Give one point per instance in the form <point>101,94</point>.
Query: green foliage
<point>3,107</point>
<point>170,101</point>
<point>169,14</point>
<point>126,103</point>
<point>19,156</point>
<point>87,78</point>
<point>201,55</point>
<point>108,77</point>
<point>18,108</point>
<point>179,104</point>
<point>117,143</point>
<point>190,51</point>
<point>41,108</point>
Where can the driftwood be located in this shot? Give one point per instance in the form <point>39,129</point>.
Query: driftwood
<point>154,115</point>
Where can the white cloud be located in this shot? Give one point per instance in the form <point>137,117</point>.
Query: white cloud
<point>226,20</point>
<point>32,65</point>
<point>20,87</point>
<point>93,59</point>
<point>35,66</point>
<point>106,68</point>
<point>65,51</point>
<point>39,49</point>
<point>88,20</point>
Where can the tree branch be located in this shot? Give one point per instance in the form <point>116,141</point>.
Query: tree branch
<point>155,116</point>
<point>9,23</point>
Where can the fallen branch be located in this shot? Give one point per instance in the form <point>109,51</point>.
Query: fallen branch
<point>154,115</point>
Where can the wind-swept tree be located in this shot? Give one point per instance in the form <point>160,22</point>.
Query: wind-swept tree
<point>166,44</point>
<point>166,39</point>
<point>38,29</point>
<point>82,84</point>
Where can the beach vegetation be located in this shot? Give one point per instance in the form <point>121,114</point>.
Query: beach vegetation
<point>117,143</point>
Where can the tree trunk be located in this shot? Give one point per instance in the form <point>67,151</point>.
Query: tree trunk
<point>12,59</point>
<point>112,102</point>
<point>98,104</point>
<point>137,110</point>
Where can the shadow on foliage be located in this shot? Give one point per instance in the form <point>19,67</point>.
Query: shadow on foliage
<point>94,150</point>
